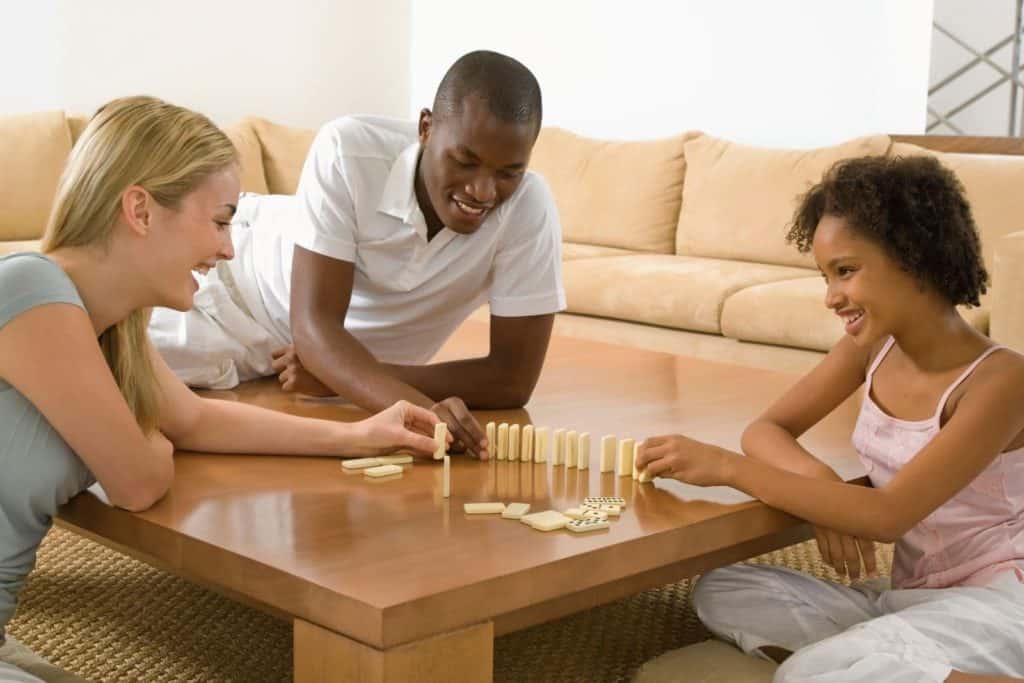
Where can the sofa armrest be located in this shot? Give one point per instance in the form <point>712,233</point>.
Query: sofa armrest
<point>1007,317</point>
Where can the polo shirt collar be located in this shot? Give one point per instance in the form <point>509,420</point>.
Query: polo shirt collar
<point>399,197</point>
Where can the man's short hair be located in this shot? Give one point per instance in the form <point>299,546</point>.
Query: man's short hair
<point>511,91</point>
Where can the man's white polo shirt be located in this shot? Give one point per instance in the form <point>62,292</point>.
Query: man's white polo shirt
<point>356,203</point>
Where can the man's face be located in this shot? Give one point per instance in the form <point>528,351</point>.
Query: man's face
<point>471,163</point>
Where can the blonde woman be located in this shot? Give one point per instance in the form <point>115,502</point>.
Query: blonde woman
<point>147,198</point>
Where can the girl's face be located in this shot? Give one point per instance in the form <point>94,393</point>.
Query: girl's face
<point>193,237</point>
<point>866,288</point>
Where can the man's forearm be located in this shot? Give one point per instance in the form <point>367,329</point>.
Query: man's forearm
<point>482,383</point>
<point>345,366</point>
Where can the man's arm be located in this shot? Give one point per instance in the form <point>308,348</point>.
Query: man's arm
<point>329,355</point>
<point>504,378</point>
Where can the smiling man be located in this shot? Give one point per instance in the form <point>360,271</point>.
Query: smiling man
<point>397,233</point>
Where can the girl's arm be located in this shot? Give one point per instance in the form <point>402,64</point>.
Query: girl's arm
<point>772,437</point>
<point>205,424</point>
<point>50,354</point>
<point>986,420</point>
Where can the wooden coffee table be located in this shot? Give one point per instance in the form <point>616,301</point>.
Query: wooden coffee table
<point>388,581</point>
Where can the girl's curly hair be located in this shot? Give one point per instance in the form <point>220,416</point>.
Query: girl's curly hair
<point>914,207</point>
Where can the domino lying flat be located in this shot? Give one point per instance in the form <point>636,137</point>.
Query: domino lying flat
<point>515,510</point>
<point>580,526</point>
<point>363,463</point>
<point>383,470</point>
<point>549,520</point>
<point>483,508</point>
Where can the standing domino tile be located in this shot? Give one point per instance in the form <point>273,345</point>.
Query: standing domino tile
<point>446,482</point>
<point>513,442</point>
<point>558,458</point>
<point>626,458</point>
<point>503,441</point>
<point>607,454</point>
<point>527,455</point>
<point>515,510</point>
<point>572,447</point>
<point>492,439</point>
<point>440,440</point>
<point>636,472</point>
<point>583,452</point>
<point>540,444</point>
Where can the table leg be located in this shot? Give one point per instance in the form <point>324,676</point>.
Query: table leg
<point>322,656</point>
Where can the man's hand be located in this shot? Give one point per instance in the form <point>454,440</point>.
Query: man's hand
<point>294,377</point>
<point>466,431</point>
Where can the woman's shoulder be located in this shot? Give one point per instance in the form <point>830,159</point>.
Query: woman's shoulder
<point>28,280</point>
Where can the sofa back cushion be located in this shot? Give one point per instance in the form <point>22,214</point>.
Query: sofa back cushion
<point>284,153</point>
<point>250,156</point>
<point>995,189</point>
<point>738,200</point>
<point>34,148</point>
<point>614,194</point>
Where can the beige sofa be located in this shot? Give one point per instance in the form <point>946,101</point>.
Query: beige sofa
<point>674,245</point>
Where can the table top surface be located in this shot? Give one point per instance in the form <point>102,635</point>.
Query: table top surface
<point>385,561</point>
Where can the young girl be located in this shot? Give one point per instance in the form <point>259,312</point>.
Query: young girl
<point>147,197</point>
<point>940,433</point>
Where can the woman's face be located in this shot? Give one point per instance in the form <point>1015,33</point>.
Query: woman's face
<point>193,237</point>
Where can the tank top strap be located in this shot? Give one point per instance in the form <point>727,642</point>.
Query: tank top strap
<point>964,375</point>
<point>878,359</point>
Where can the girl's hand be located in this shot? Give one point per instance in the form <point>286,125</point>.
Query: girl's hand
<point>844,553</point>
<point>685,459</point>
<point>403,426</point>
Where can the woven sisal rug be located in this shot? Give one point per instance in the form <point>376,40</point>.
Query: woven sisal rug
<point>106,617</point>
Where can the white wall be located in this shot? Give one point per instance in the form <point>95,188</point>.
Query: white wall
<point>300,63</point>
<point>784,72</point>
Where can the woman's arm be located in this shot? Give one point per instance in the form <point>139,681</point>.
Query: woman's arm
<point>205,424</point>
<point>50,354</point>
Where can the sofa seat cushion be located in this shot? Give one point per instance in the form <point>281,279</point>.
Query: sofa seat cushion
<point>738,200</point>
<point>662,289</point>
<point>33,150</point>
<point>793,313</point>
<point>614,194</point>
<point>574,250</point>
<point>284,152</point>
<point>14,246</point>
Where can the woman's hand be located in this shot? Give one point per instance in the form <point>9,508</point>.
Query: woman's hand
<point>402,427</point>
<point>687,460</point>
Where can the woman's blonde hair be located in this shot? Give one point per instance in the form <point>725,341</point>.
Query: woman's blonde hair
<point>168,151</point>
